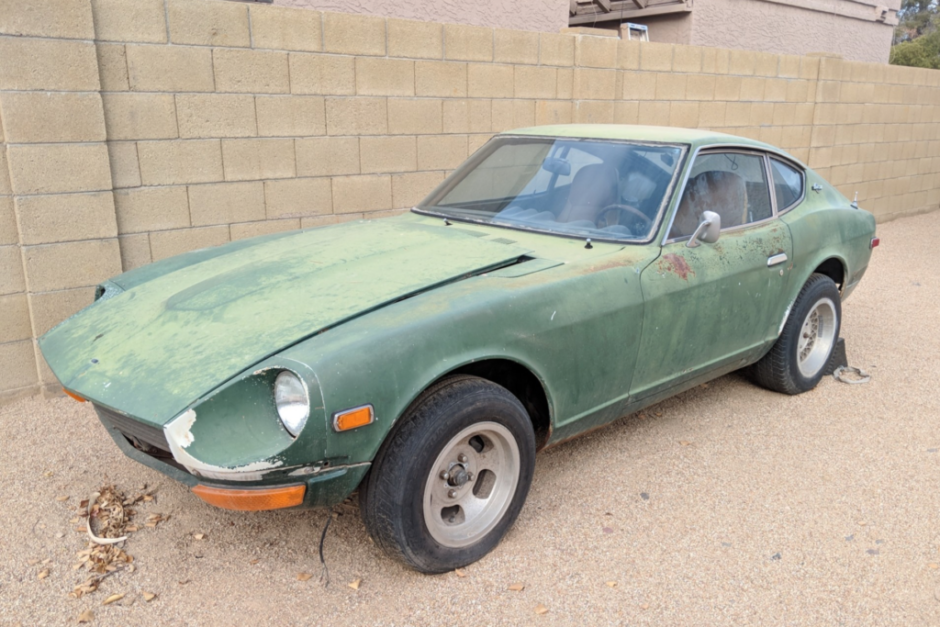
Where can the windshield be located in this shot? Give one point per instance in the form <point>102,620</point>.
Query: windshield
<point>585,188</point>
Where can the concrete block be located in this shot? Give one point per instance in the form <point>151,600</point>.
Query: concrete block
<point>11,270</point>
<point>362,193</point>
<point>53,64</point>
<point>216,115</point>
<point>515,46</point>
<point>712,114</point>
<point>5,187</point>
<point>385,77</point>
<point>414,117</point>
<point>593,112</point>
<point>14,311</point>
<point>463,42</point>
<point>71,264</point>
<point>284,28</point>
<point>53,168</point>
<point>456,116</point>
<point>135,251</point>
<point>224,203</point>
<point>142,21</point>
<point>565,81</point>
<point>290,116</point>
<point>140,116</point>
<point>175,162</point>
<point>728,88</point>
<point>656,57</point>
<point>480,114</point>
<point>594,84</point>
<point>687,59</point>
<point>356,116</point>
<point>684,114</point>
<point>523,113</point>
<point>30,117</point>
<point>489,80</point>
<point>556,49</point>
<point>639,85</point>
<point>670,86</point>
<point>250,71</point>
<point>18,363</point>
<point>415,40</point>
<point>535,82</point>
<point>61,19</point>
<point>752,88</point>
<point>322,74</point>
<point>354,34</point>
<point>254,229</point>
<point>475,142</point>
<point>327,156</point>
<point>125,169</point>
<point>208,23</point>
<point>254,159</point>
<point>440,78</point>
<point>503,115</point>
<point>165,244</point>
<point>50,308</point>
<point>292,198</point>
<point>700,87</point>
<point>169,68</point>
<point>152,209</point>
<point>8,231</point>
<point>441,152</point>
<point>654,113</point>
<point>596,52</point>
<point>410,189</point>
<point>628,54</point>
<point>388,154</point>
<point>742,62</point>
<point>789,66</point>
<point>799,91</point>
<point>775,89</point>
<point>553,112</point>
<point>112,67</point>
<point>766,64</point>
<point>65,217</point>
<point>626,112</point>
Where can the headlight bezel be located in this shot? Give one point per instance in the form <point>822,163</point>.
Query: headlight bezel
<point>291,398</point>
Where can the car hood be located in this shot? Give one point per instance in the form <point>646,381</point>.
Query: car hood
<point>154,349</point>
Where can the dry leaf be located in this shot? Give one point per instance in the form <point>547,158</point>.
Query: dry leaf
<point>541,609</point>
<point>354,584</point>
<point>460,573</point>
<point>517,587</point>
<point>199,536</point>
<point>684,442</point>
<point>149,596</point>
<point>43,573</point>
<point>113,599</point>
<point>254,561</point>
<point>303,576</point>
<point>32,562</point>
<point>611,584</point>
<point>86,617</point>
<point>61,499</point>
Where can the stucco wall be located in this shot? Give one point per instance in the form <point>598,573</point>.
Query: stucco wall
<point>134,130</point>
<point>540,15</point>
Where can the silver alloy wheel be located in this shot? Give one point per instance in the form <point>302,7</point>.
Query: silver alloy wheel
<point>816,338</point>
<point>471,485</point>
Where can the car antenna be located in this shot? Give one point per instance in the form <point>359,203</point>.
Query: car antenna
<point>587,244</point>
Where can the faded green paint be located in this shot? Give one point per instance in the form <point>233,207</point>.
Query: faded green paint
<point>374,312</point>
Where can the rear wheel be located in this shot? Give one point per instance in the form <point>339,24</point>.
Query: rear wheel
<point>798,359</point>
<point>452,477</point>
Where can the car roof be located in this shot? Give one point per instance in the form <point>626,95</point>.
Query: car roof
<point>635,132</point>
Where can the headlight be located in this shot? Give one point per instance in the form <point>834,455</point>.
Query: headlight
<point>290,397</point>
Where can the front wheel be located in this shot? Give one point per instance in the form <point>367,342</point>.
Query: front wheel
<point>452,477</point>
<point>798,359</point>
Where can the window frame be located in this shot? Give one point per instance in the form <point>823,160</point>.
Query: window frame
<point>799,170</point>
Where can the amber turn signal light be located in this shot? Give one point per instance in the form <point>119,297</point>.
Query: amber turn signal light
<point>252,500</point>
<point>353,418</point>
<point>75,396</point>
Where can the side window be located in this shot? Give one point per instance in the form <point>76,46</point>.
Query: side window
<point>788,184</point>
<point>732,184</point>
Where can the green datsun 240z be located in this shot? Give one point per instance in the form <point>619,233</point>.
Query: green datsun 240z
<point>562,277</point>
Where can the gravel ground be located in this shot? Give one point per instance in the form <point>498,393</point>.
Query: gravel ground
<point>728,505</point>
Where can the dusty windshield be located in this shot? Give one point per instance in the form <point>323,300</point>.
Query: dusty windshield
<point>586,188</point>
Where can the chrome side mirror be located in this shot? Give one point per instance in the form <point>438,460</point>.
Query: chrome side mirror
<point>708,231</point>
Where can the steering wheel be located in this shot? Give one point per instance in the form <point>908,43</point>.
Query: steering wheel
<point>603,218</point>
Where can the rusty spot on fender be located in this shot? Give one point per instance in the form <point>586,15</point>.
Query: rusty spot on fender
<point>677,265</point>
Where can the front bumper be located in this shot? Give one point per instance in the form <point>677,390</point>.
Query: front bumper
<point>326,488</point>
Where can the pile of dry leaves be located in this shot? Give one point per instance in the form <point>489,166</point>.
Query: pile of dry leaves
<point>109,516</point>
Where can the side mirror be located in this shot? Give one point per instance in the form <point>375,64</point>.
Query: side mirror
<point>708,231</point>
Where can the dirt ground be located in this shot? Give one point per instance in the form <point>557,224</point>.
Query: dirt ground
<point>728,505</point>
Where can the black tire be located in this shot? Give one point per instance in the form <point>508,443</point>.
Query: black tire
<point>779,370</point>
<point>392,497</point>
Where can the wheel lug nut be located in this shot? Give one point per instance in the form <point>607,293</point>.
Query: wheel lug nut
<point>444,475</point>
<point>452,494</point>
<point>469,476</point>
<point>462,458</point>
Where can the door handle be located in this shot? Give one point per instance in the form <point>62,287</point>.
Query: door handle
<point>777,259</point>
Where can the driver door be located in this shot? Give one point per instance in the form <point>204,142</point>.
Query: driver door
<point>711,307</point>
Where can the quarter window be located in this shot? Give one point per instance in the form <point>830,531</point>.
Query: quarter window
<point>732,184</point>
<point>788,184</point>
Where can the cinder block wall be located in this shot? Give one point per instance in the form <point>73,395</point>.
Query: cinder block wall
<point>135,130</point>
